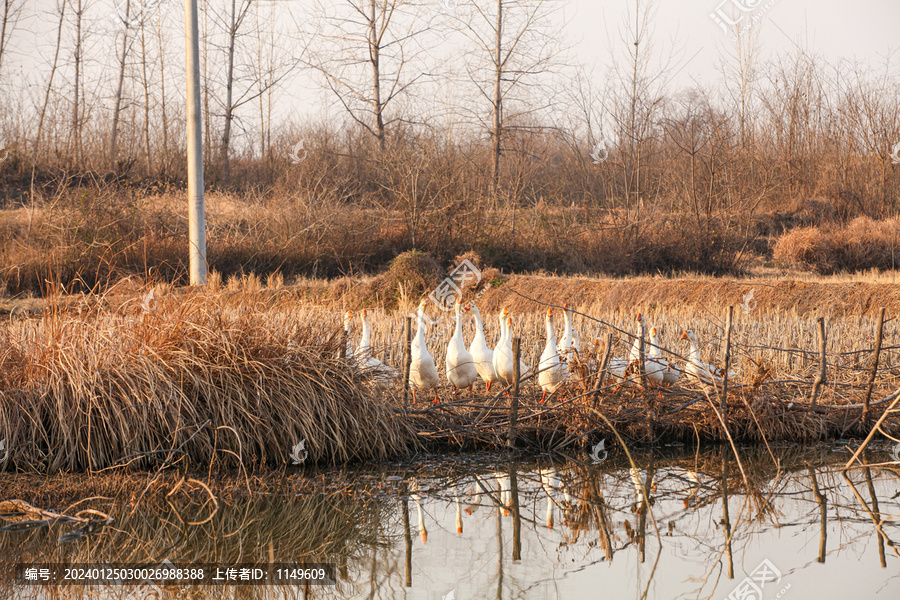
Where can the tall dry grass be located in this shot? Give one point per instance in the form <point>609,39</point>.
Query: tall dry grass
<point>185,377</point>
<point>861,244</point>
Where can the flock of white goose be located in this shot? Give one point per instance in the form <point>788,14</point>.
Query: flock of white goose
<point>464,366</point>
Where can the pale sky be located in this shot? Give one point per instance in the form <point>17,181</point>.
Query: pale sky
<point>865,31</point>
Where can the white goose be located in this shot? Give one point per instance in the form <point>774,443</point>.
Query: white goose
<point>569,341</point>
<point>460,364</point>
<point>348,324</point>
<point>503,353</point>
<point>502,359</point>
<point>702,372</point>
<point>383,375</point>
<point>656,365</point>
<point>423,374</point>
<point>550,372</point>
<point>635,355</point>
<point>481,354</point>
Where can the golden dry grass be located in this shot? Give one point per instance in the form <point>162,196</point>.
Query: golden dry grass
<point>86,387</point>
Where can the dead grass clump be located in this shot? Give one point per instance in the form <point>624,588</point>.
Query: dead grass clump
<point>191,377</point>
<point>860,245</point>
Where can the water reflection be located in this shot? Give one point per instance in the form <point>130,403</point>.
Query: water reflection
<point>672,526</point>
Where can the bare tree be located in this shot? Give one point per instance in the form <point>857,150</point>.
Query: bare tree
<point>61,7</point>
<point>80,7</point>
<point>12,10</point>
<point>644,85</point>
<point>365,51</point>
<point>117,101</point>
<point>515,43</point>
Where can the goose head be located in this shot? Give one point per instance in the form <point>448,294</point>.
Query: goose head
<point>689,336</point>
<point>348,319</point>
<point>467,307</point>
<point>423,305</point>
<point>640,318</point>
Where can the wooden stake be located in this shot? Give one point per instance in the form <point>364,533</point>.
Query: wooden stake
<point>874,372</point>
<point>514,406</point>
<point>407,360</point>
<point>726,361</point>
<point>641,366</point>
<point>822,377</point>
<point>603,367</point>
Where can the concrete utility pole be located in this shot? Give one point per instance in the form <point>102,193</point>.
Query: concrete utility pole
<point>196,210</point>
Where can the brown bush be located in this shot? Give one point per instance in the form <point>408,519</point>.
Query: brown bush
<point>860,245</point>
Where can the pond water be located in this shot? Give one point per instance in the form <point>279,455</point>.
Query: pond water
<point>785,524</point>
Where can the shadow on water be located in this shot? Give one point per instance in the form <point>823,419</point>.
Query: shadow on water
<point>679,525</point>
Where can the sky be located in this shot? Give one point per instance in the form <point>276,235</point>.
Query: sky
<point>685,35</point>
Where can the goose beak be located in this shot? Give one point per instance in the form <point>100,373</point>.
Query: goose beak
<point>566,305</point>
<point>365,313</point>
<point>549,312</point>
<point>467,307</point>
<point>684,335</point>
<point>653,331</point>
<point>505,312</point>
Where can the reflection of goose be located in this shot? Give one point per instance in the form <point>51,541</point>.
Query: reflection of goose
<point>549,484</point>
<point>459,524</point>
<point>639,481</point>
<point>505,492</point>
<point>423,533</point>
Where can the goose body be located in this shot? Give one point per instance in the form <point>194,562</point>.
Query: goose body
<point>481,354</point>
<point>569,341</point>
<point>382,375</point>
<point>503,358</point>
<point>550,371</point>
<point>503,353</point>
<point>635,355</point>
<point>423,374</point>
<point>699,370</point>
<point>655,365</point>
<point>461,370</point>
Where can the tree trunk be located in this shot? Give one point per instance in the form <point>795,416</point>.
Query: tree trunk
<point>375,59</point>
<point>40,127</point>
<point>146,101</point>
<point>76,98</point>
<point>117,107</point>
<point>496,132</point>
